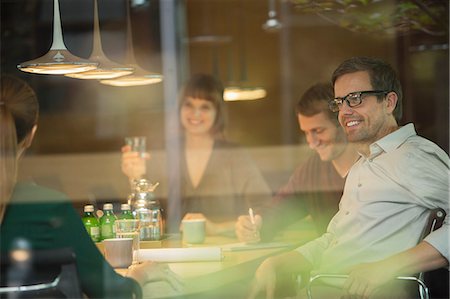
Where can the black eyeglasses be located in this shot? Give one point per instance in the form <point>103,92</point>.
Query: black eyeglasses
<point>353,99</point>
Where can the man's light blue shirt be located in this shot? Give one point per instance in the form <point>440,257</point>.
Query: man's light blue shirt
<point>386,203</point>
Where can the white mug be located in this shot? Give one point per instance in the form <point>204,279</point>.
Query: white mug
<point>193,230</point>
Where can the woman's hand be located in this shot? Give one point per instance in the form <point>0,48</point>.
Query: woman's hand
<point>210,227</point>
<point>194,216</point>
<point>133,163</point>
<point>147,272</point>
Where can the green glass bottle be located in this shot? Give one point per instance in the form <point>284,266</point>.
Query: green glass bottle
<point>125,212</point>
<point>107,227</point>
<point>91,223</point>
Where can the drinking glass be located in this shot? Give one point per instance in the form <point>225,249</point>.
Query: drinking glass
<point>137,144</point>
<point>129,228</point>
<point>137,167</point>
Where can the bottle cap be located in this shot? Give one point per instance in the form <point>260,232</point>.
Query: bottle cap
<point>89,208</point>
<point>107,206</point>
<point>125,207</point>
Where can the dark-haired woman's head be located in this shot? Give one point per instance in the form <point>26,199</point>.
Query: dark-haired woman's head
<point>201,105</point>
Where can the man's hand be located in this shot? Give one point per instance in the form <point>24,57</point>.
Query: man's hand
<point>364,279</point>
<point>246,231</point>
<point>266,275</point>
<point>265,279</point>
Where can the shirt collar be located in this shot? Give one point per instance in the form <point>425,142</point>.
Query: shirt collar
<point>393,140</point>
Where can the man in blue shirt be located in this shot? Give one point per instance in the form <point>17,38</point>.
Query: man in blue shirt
<point>387,196</point>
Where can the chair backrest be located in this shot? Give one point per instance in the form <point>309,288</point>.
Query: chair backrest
<point>435,221</point>
<point>436,280</point>
<point>39,274</point>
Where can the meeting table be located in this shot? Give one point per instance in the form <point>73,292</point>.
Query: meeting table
<point>220,267</point>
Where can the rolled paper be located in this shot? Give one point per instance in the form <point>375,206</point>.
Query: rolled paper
<point>245,246</point>
<point>199,254</point>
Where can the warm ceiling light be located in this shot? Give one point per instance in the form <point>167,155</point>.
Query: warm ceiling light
<point>139,76</point>
<point>272,24</point>
<point>239,92</point>
<point>235,93</point>
<point>58,60</point>
<point>106,68</point>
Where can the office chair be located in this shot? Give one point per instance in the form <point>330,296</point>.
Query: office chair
<point>48,273</point>
<point>435,221</point>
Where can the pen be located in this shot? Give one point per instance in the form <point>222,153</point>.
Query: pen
<point>252,216</point>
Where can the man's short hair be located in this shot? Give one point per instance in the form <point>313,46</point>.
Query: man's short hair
<point>315,100</point>
<point>382,77</point>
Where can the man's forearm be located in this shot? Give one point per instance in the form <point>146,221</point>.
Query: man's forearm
<point>292,261</point>
<point>364,279</point>
<point>421,258</point>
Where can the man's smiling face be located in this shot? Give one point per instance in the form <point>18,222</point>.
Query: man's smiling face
<point>363,123</point>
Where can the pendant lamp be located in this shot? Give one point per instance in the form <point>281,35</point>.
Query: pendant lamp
<point>272,24</point>
<point>106,68</point>
<point>241,91</point>
<point>139,76</point>
<point>58,60</point>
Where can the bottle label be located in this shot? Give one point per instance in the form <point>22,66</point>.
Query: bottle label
<point>107,231</point>
<point>95,233</point>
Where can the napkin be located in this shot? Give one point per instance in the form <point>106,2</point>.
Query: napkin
<point>199,254</point>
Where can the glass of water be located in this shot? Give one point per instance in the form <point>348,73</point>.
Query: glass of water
<point>137,144</point>
<point>129,228</point>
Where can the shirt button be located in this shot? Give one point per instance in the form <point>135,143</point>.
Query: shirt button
<point>346,213</point>
<point>359,185</point>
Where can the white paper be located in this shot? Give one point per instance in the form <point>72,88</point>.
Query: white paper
<point>197,254</point>
<point>255,246</point>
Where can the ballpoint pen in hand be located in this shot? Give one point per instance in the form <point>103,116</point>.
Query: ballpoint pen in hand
<point>256,237</point>
<point>252,216</point>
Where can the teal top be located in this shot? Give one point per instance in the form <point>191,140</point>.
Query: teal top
<point>46,219</point>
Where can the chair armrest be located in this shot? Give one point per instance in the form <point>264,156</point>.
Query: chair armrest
<point>337,281</point>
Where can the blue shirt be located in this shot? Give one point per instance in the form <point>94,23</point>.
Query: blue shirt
<point>386,203</point>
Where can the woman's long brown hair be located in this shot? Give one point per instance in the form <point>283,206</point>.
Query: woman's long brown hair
<point>18,115</point>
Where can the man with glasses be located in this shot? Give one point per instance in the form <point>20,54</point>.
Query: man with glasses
<point>387,195</point>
